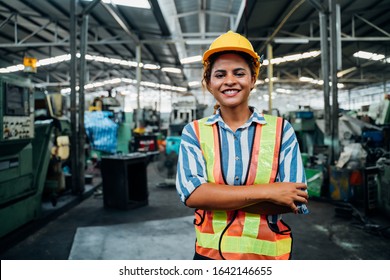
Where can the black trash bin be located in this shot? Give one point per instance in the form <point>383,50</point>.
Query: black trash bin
<point>124,181</point>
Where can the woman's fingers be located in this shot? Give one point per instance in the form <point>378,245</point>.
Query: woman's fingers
<point>300,186</point>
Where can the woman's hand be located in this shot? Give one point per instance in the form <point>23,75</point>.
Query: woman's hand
<point>287,194</point>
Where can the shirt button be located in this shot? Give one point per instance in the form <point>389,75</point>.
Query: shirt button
<point>237,158</point>
<point>236,178</point>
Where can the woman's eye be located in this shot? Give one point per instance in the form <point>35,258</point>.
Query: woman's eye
<point>219,76</point>
<point>240,74</point>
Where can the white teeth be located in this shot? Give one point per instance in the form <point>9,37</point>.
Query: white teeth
<point>230,91</point>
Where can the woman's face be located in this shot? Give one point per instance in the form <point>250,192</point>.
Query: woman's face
<point>231,81</point>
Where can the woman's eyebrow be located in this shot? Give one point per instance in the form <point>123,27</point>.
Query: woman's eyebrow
<point>235,69</point>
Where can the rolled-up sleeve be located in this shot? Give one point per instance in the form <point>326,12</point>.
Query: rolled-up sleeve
<point>291,167</point>
<point>191,168</point>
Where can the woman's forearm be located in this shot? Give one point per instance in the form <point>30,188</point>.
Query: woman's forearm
<point>210,196</point>
<point>266,208</point>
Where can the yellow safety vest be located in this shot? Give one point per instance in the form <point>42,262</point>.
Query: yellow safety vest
<point>238,234</point>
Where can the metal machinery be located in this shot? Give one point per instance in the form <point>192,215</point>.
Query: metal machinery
<point>107,127</point>
<point>147,130</point>
<point>52,107</point>
<point>311,145</point>
<point>24,155</point>
<point>360,175</point>
<point>304,124</point>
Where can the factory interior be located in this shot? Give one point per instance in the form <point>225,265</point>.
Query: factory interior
<point>94,95</point>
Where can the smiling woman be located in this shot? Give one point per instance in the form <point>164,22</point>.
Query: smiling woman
<point>238,168</point>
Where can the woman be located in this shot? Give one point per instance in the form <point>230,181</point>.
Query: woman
<point>238,168</point>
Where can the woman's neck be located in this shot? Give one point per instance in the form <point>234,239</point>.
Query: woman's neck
<point>235,117</point>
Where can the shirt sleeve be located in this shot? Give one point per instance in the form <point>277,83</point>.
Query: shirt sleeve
<point>291,167</point>
<point>191,167</point>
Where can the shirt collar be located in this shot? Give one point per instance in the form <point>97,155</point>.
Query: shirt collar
<point>256,117</point>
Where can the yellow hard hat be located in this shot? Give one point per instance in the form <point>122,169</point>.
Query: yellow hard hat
<point>231,41</point>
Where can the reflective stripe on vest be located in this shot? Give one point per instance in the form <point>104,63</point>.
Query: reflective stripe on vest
<point>249,235</point>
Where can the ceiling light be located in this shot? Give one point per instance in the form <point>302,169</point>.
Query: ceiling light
<point>292,57</point>
<point>171,70</point>
<point>194,84</point>
<point>199,41</point>
<point>151,66</point>
<point>143,4</point>
<point>283,90</point>
<point>306,79</point>
<point>191,59</point>
<point>291,40</point>
<point>346,71</point>
<point>369,55</point>
<point>11,69</point>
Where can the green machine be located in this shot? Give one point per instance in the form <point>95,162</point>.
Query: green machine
<point>24,155</point>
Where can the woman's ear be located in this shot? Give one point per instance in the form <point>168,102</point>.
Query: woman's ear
<point>253,82</point>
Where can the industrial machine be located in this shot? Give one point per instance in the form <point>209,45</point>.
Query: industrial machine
<point>24,155</point>
<point>304,124</point>
<point>106,127</point>
<point>51,107</point>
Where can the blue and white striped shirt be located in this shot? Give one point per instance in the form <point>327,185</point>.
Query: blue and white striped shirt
<point>236,148</point>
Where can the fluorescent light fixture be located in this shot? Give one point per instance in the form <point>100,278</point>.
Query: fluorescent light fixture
<point>346,71</point>
<point>41,62</point>
<point>311,80</point>
<point>191,59</point>
<point>53,60</point>
<point>194,84</point>
<point>318,82</point>
<point>292,57</point>
<point>369,55</point>
<point>306,79</point>
<point>274,79</point>
<point>291,40</point>
<point>128,81</point>
<point>199,41</point>
<point>171,70</point>
<point>143,4</point>
<point>283,90</point>
<point>151,66</point>
<point>259,82</point>
<point>10,69</point>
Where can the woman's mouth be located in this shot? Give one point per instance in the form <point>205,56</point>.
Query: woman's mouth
<point>230,91</point>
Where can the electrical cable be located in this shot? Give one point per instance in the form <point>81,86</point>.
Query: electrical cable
<point>223,232</point>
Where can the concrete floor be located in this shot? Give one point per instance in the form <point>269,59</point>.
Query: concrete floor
<point>163,230</point>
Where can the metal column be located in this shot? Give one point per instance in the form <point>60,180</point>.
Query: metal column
<point>73,103</point>
<point>330,63</point>
<point>334,54</point>
<point>325,69</point>
<point>138,115</point>
<point>83,69</point>
<point>270,70</point>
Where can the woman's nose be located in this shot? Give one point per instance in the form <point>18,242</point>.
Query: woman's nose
<point>230,79</point>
